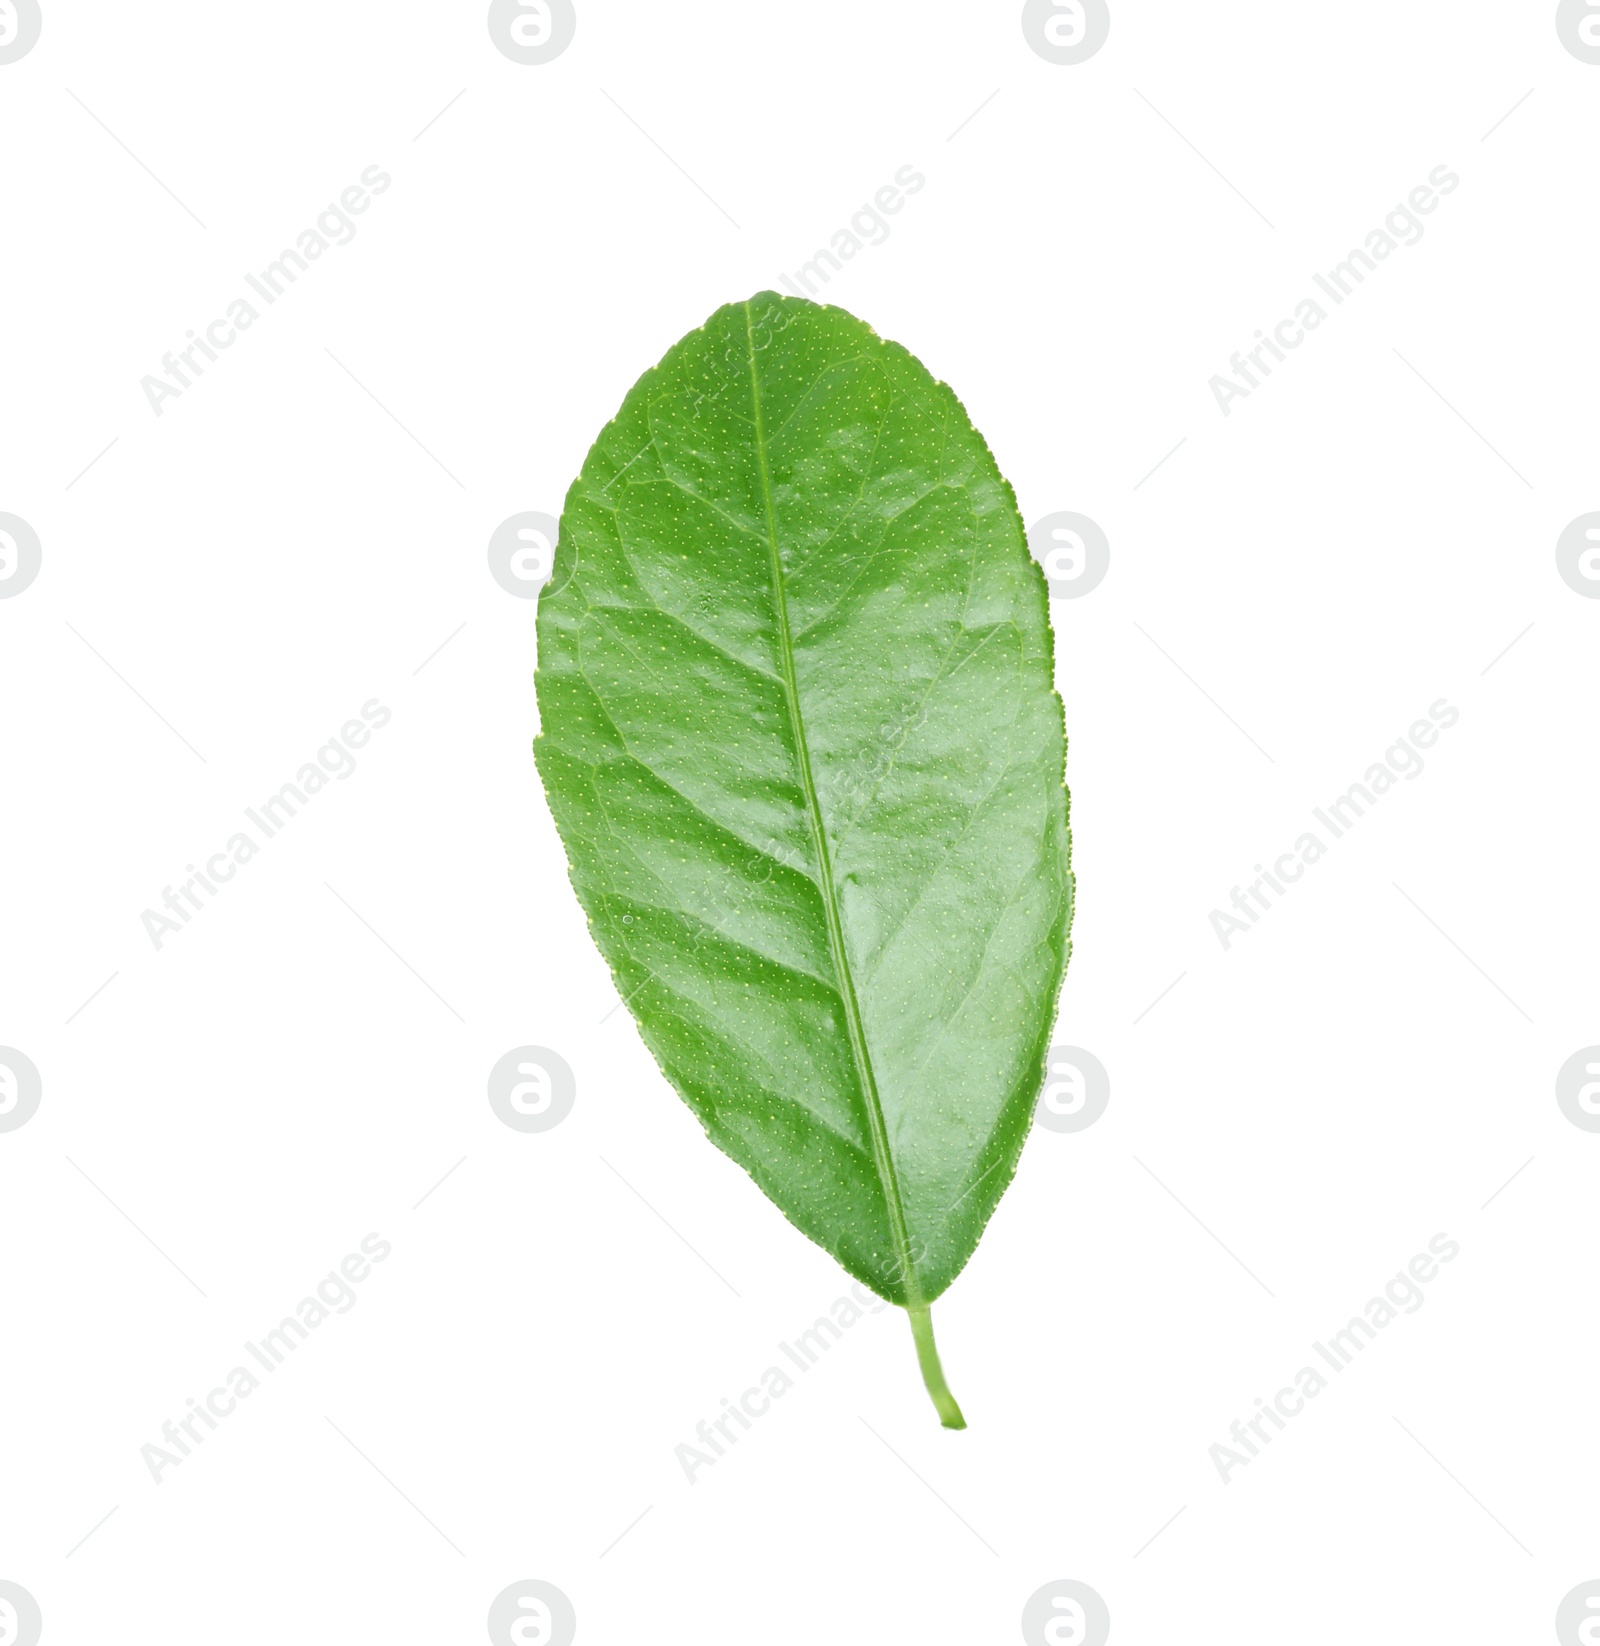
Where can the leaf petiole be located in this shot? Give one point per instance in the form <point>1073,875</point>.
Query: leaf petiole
<point>932,1372</point>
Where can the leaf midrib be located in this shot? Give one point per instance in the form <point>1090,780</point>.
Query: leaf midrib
<point>844,981</point>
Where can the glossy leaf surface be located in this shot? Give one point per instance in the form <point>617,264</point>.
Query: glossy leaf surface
<point>801,742</point>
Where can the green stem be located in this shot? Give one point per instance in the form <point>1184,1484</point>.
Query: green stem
<point>932,1372</point>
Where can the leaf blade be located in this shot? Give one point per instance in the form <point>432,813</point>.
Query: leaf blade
<point>802,746</point>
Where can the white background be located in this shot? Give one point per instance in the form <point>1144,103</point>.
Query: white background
<point>275,1082</point>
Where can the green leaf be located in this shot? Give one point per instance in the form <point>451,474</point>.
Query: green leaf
<point>800,739</point>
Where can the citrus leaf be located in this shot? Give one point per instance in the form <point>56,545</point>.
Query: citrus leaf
<point>801,742</point>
